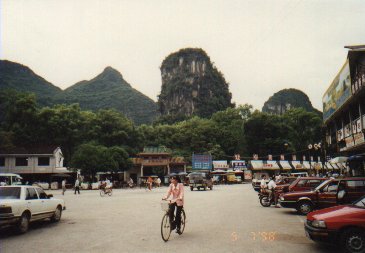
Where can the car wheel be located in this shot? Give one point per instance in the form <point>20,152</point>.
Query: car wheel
<point>57,214</point>
<point>23,224</point>
<point>353,240</point>
<point>191,188</point>
<point>305,207</point>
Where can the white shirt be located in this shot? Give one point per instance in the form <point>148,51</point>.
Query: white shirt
<point>263,183</point>
<point>77,182</point>
<point>63,183</point>
<point>271,185</point>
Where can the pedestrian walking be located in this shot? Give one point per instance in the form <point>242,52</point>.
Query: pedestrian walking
<point>77,186</point>
<point>63,186</point>
<point>158,182</point>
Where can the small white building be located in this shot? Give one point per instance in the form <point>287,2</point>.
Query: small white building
<point>33,162</point>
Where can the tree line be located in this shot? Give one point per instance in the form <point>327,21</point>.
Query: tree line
<point>105,140</point>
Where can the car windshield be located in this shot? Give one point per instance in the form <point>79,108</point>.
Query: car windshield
<point>196,176</point>
<point>360,202</point>
<point>321,185</point>
<point>10,193</point>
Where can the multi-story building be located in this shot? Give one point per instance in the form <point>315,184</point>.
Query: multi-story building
<point>344,108</point>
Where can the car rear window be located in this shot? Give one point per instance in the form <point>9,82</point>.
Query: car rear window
<point>10,193</point>
<point>355,185</point>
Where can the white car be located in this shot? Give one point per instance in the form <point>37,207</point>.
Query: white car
<point>20,205</point>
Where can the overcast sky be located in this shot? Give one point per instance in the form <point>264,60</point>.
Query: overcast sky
<point>260,46</point>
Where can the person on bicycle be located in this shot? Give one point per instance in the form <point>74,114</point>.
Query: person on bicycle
<point>176,189</point>
<point>149,183</point>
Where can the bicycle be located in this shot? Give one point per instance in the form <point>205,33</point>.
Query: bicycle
<point>165,223</point>
<point>105,191</point>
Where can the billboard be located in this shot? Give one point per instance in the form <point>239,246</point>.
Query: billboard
<point>238,164</point>
<point>338,92</point>
<point>202,162</point>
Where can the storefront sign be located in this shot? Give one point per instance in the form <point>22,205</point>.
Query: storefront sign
<point>358,126</point>
<point>201,162</point>
<point>220,164</point>
<point>239,164</point>
<point>359,138</point>
<point>349,142</point>
<point>347,130</point>
<point>338,92</point>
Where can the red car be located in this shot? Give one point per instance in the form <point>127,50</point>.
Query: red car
<point>330,193</point>
<point>344,225</point>
<point>299,184</point>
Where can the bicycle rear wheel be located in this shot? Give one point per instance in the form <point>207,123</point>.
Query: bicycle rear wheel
<point>165,228</point>
<point>183,221</point>
<point>110,192</point>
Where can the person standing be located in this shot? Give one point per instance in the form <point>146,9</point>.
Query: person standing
<point>263,183</point>
<point>158,182</point>
<point>63,186</point>
<point>176,189</point>
<point>77,186</point>
<point>149,183</point>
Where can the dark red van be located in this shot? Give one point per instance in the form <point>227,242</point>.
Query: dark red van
<point>330,193</point>
<point>344,225</point>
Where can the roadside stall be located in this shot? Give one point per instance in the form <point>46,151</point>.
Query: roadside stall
<point>231,177</point>
<point>219,176</point>
<point>239,167</point>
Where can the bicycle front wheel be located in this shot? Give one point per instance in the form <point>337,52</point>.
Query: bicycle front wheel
<point>165,228</point>
<point>183,221</point>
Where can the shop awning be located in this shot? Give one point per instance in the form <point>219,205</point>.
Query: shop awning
<point>306,165</point>
<point>285,165</point>
<point>298,166</point>
<point>271,165</point>
<point>257,164</point>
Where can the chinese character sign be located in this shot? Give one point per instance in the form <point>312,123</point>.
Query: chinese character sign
<point>202,162</point>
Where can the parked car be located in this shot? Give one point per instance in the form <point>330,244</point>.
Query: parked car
<point>300,184</point>
<point>20,205</point>
<point>200,180</point>
<point>43,185</point>
<point>344,225</point>
<point>330,193</point>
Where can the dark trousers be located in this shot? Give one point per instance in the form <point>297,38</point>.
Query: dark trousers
<point>177,220</point>
<point>77,188</point>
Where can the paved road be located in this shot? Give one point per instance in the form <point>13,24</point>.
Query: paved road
<point>227,219</point>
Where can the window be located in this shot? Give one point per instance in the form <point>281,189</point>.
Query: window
<point>331,187</point>
<point>41,193</point>
<point>31,194</point>
<point>21,161</point>
<point>10,193</point>
<point>314,183</point>
<point>302,183</point>
<point>43,161</point>
<point>355,186</point>
<point>2,161</point>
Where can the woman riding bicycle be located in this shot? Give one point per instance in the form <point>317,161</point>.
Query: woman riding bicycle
<point>176,189</point>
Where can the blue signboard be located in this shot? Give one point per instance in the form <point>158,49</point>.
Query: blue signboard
<point>202,162</point>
